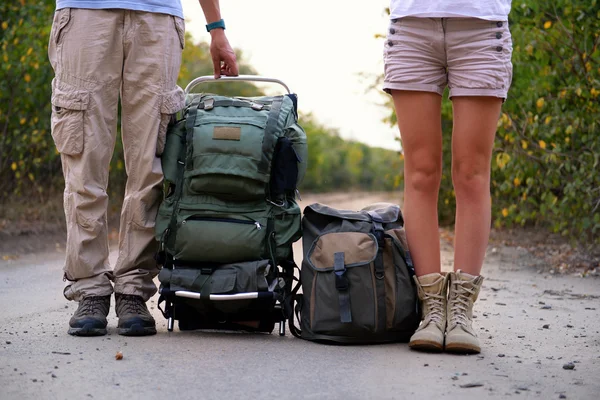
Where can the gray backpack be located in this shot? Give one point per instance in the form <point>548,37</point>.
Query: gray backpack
<point>357,277</point>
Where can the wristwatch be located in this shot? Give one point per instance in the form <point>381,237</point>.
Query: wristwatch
<point>217,24</point>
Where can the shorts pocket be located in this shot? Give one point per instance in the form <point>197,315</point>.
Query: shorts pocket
<point>62,18</point>
<point>180,28</point>
<point>67,122</point>
<point>171,103</point>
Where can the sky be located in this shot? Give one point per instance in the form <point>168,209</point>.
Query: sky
<point>319,48</point>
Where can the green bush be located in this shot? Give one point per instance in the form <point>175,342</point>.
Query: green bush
<point>545,169</point>
<point>29,163</point>
<point>546,165</point>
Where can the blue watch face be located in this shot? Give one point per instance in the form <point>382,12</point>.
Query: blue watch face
<point>217,24</point>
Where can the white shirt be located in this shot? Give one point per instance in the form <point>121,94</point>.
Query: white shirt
<point>492,10</point>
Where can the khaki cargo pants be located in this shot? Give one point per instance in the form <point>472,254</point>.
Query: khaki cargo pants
<point>99,56</point>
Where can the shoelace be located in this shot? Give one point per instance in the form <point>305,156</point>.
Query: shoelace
<point>93,305</point>
<point>131,305</point>
<point>435,303</point>
<point>459,304</point>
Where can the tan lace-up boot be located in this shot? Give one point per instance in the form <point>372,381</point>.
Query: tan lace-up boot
<point>431,289</point>
<point>462,293</point>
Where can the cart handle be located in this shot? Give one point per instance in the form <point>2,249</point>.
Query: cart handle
<point>248,78</point>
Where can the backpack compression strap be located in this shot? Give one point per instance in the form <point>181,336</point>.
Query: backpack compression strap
<point>378,232</point>
<point>270,137</point>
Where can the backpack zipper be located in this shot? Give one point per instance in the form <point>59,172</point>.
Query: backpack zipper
<point>228,220</point>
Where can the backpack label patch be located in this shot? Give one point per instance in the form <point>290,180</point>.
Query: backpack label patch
<point>227,133</point>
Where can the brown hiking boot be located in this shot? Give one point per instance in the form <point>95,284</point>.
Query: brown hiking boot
<point>90,317</point>
<point>431,289</point>
<point>462,293</point>
<point>134,317</point>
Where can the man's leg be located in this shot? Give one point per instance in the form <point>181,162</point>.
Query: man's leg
<point>86,55</point>
<point>149,95</point>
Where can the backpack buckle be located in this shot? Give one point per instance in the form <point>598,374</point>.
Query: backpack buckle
<point>339,266</point>
<point>341,280</point>
<point>209,104</point>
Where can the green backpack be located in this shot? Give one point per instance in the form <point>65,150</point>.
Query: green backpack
<point>229,215</point>
<point>357,277</point>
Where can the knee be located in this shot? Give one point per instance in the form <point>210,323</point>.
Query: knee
<point>424,176</point>
<point>470,175</point>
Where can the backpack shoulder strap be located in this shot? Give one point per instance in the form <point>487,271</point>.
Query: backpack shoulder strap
<point>181,161</point>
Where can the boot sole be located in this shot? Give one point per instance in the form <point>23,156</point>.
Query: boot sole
<point>87,330</point>
<point>137,330</point>
<point>426,345</point>
<point>462,348</point>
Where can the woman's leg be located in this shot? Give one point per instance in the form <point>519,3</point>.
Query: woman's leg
<point>474,129</point>
<point>421,132</point>
<point>475,121</point>
<point>420,128</point>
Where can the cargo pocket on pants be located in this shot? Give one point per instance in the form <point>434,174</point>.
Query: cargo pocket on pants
<point>171,103</point>
<point>67,121</point>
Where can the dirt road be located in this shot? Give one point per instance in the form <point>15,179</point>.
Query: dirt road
<point>540,335</point>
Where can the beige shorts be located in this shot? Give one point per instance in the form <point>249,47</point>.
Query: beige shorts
<point>471,56</point>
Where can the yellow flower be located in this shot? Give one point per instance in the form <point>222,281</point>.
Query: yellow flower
<point>4,25</point>
<point>542,144</point>
<point>548,119</point>
<point>548,25</point>
<point>524,196</point>
<point>517,181</point>
<point>504,212</point>
<point>13,166</point>
<point>524,144</point>
<point>29,51</point>
<point>578,91</point>
<point>23,120</point>
<point>502,159</point>
<point>540,102</point>
<point>27,78</point>
<point>594,92</point>
<point>562,94</point>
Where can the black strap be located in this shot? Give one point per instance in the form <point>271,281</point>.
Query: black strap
<point>205,290</point>
<point>379,233</point>
<point>342,285</point>
<point>294,99</point>
<point>298,299</point>
<point>270,136</point>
